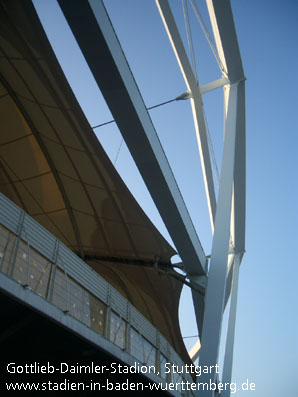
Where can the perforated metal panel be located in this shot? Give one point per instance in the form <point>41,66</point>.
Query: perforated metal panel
<point>134,317</point>
<point>38,237</point>
<point>164,346</point>
<point>119,304</point>
<point>143,325</point>
<point>10,214</point>
<point>80,271</point>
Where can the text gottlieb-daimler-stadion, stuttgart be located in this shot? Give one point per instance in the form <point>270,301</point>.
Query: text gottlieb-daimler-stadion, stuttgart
<point>113,368</point>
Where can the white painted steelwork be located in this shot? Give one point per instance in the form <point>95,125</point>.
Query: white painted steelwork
<point>227,215</point>
<point>196,101</point>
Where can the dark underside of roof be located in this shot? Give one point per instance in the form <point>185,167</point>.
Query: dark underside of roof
<point>52,166</point>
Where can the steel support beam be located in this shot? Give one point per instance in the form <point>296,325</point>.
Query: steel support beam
<point>228,360</point>
<point>237,234</point>
<point>96,37</point>
<point>224,32</point>
<point>227,46</point>
<point>193,88</point>
<point>239,202</point>
<point>199,119</point>
<point>216,285</point>
<point>196,102</point>
<point>213,85</point>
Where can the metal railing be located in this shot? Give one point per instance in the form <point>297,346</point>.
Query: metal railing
<point>38,261</point>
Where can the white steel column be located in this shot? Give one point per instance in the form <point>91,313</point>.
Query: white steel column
<point>228,214</point>
<point>228,360</point>
<point>237,233</point>
<point>227,45</point>
<point>216,285</point>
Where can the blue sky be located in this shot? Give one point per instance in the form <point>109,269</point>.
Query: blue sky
<point>266,347</point>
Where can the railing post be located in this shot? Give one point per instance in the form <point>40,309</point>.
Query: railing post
<point>16,244</point>
<point>26,284</point>
<point>157,357</point>
<point>108,314</point>
<point>52,275</point>
<point>127,331</point>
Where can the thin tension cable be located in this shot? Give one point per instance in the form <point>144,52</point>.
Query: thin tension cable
<point>183,96</point>
<point>193,336</point>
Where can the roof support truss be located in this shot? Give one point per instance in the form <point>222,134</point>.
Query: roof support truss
<point>228,214</point>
